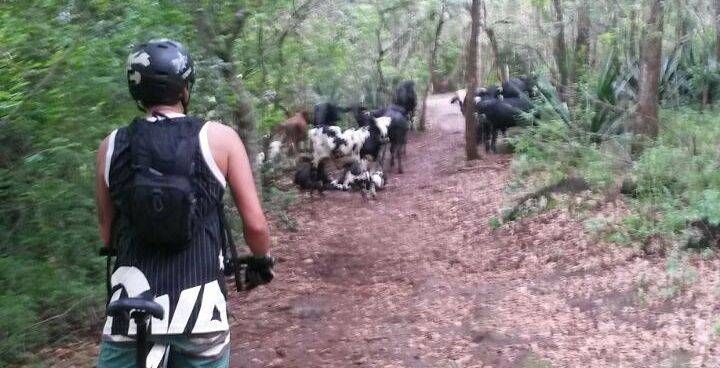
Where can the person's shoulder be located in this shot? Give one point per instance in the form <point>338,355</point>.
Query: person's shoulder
<point>221,136</point>
<point>105,142</point>
<point>219,128</point>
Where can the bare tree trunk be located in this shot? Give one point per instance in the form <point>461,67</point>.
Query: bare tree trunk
<point>382,88</point>
<point>496,53</point>
<point>471,151</point>
<point>560,50</point>
<point>682,23</point>
<point>646,121</point>
<point>582,41</point>
<point>490,32</point>
<point>431,64</point>
<point>633,34</point>
<point>717,30</point>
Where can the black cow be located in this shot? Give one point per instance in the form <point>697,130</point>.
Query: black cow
<point>406,97</point>
<point>500,114</point>
<point>488,93</point>
<point>485,94</point>
<point>363,116</point>
<point>519,86</point>
<point>397,133</point>
<point>327,113</point>
<point>312,178</point>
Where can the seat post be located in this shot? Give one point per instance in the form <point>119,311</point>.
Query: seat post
<point>140,309</point>
<point>140,319</point>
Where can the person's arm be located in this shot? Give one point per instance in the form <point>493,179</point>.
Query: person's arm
<point>102,196</point>
<point>242,185</point>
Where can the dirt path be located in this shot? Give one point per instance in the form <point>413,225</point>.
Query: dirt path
<point>418,278</point>
<point>385,282</point>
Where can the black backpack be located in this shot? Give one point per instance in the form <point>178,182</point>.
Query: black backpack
<point>161,199</point>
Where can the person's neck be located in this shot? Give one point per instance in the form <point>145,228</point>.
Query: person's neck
<point>166,110</point>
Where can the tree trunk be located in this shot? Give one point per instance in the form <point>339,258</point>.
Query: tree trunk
<point>632,39</point>
<point>582,41</point>
<point>496,53</point>
<point>682,23</point>
<point>431,64</point>
<point>717,30</point>
<point>490,32</point>
<point>471,150</point>
<point>560,50</point>
<point>646,120</point>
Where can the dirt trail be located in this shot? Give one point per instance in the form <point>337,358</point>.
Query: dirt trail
<point>417,278</point>
<point>381,282</point>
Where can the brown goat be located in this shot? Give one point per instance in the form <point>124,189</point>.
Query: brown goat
<point>293,130</point>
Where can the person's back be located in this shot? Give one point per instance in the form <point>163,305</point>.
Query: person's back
<point>160,186</point>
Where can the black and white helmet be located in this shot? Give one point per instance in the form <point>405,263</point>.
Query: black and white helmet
<point>158,71</point>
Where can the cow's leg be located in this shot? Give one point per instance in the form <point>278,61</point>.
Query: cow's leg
<point>347,179</point>
<point>493,143</point>
<point>321,178</point>
<point>393,149</point>
<point>487,134</point>
<point>400,168</point>
<point>382,155</point>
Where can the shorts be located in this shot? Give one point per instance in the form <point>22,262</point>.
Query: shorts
<point>198,351</point>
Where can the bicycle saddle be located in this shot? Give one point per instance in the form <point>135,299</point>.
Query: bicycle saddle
<point>122,307</point>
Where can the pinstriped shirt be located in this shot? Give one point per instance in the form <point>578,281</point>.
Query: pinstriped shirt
<point>189,283</point>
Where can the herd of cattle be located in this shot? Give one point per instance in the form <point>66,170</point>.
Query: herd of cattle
<point>359,153</point>
<point>499,107</point>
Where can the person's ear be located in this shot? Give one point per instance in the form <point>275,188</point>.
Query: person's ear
<point>185,99</point>
<point>186,96</point>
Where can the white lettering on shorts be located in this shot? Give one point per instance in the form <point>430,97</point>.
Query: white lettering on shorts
<point>134,282</point>
<point>213,299</point>
<point>212,316</point>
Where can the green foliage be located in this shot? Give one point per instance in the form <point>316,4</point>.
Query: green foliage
<point>676,179</point>
<point>64,89</point>
<point>494,223</point>
<point>553,150</point>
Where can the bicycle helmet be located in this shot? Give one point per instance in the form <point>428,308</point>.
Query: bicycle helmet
<point>157,73</point>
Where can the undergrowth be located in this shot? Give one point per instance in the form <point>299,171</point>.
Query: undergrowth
<point>674,182</point>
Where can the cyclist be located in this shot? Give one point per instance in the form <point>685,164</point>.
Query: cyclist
<point>160,183</point>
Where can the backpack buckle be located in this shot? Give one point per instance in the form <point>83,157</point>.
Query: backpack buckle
<point>157,200</point>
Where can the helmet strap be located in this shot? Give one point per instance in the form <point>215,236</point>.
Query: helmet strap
<point>186,102</point>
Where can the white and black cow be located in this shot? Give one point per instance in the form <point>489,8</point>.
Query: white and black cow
<point>358,146</point>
